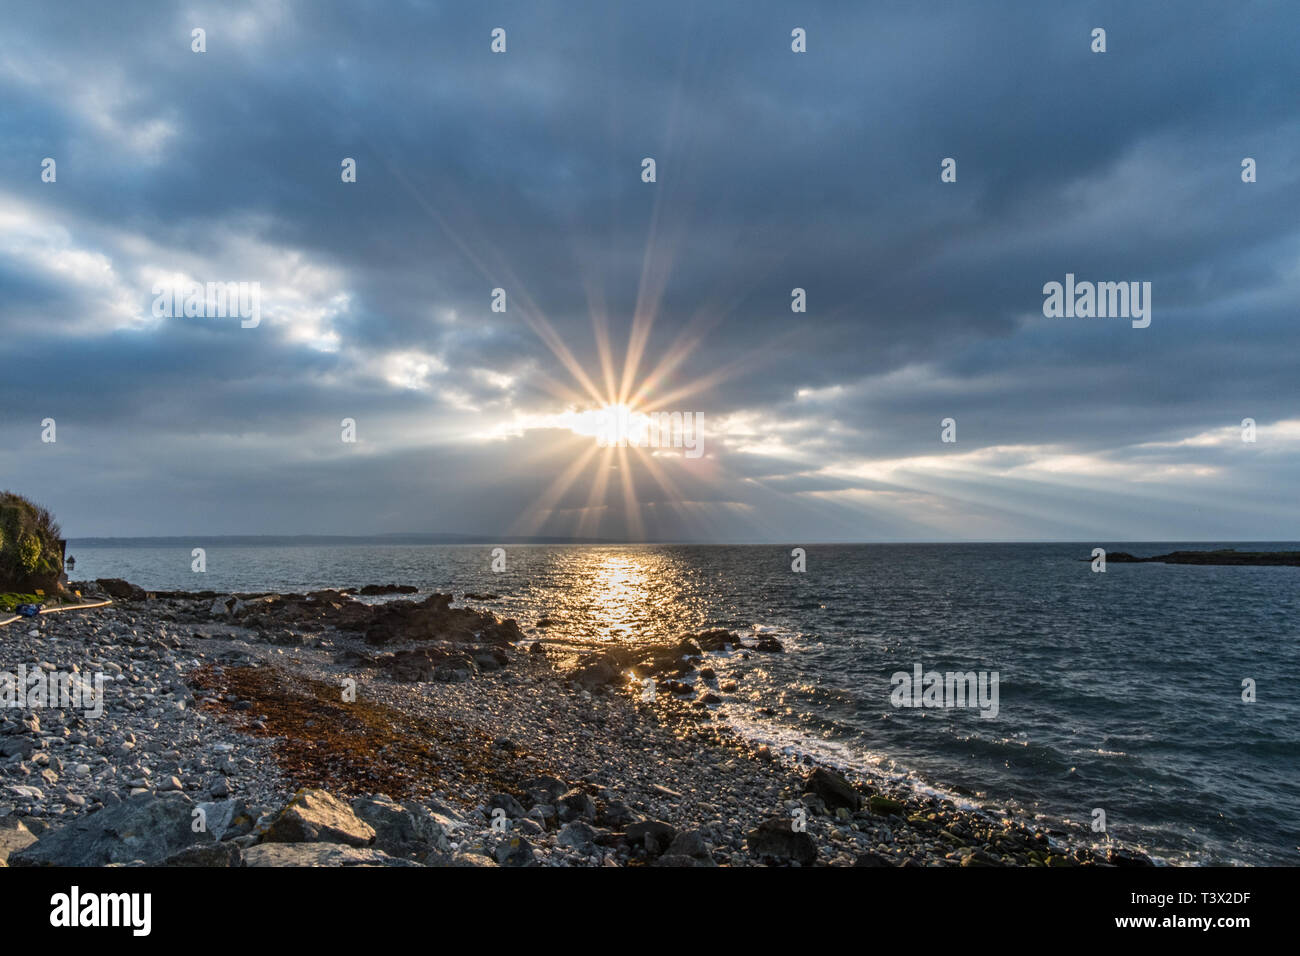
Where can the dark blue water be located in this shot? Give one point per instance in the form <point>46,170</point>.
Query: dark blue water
<point>1120,691</point>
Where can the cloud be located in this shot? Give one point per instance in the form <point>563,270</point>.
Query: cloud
<point>775,170</point>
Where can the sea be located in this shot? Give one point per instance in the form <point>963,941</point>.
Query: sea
<point>1153,705</point>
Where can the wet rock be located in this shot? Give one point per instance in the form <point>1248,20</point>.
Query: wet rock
<point>595,674</point>
<point>120,590</point>
<point>833,789</point>
<point>716,640</point>
<point>885,806</point>
<point>688,647</point>
<point>1118,857</point>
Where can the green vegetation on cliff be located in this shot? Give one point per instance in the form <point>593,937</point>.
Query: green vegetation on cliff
<point>31,558</point>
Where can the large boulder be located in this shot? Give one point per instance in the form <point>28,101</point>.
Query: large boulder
<point>885,805</point>
<point>597,673</point>
<point>434,619</point>
<point>148,827</point>
<point>775,839</point>
<point>410,830</point>
<point>833,789</point>
<point>544,789</point>
<point>873,859</point>
<point>688,849</point>
<point>654,835</point>
<point>515,851</point>
<point>313,816</point>
<point>575,805</point>
<point>577,835</point>
<point>504,801</point>
<point>717,640</point>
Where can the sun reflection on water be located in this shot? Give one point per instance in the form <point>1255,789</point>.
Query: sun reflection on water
<point>620,588</point>
<point>628,594</point>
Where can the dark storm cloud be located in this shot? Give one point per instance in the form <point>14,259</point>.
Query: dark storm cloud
<point>775,170</point>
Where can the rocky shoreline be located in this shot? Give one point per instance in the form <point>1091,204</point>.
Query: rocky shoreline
<point>318,730</point>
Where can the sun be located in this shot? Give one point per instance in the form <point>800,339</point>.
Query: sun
<point>616,425</point>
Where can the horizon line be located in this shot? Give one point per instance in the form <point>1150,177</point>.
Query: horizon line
<point>475,539</point>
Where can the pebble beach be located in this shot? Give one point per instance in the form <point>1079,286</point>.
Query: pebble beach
<point>320,730</point>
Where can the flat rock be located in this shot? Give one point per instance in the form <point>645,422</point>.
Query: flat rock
<point>213,854</point>
<point>313,816</point>
<point>318,854</point>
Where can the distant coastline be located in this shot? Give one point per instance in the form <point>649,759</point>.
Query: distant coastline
<point>1222,557</point>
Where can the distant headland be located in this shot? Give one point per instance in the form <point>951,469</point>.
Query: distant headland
<point>1224,556</point>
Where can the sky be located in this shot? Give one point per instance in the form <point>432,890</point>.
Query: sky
<point>774,170</point>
